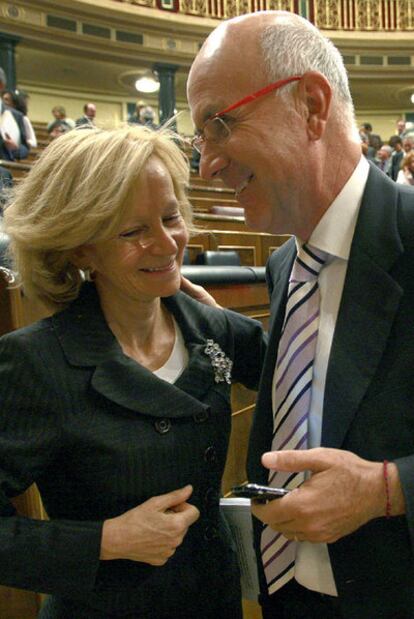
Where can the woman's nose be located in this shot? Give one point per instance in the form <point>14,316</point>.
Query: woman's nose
<point>161,240</point>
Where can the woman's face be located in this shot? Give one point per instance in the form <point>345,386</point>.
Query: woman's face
<point>143,259</point>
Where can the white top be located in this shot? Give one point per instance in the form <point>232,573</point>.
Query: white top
<point>9,127</point>
<point>404,178</point>
<point>177,361</point>
<point>333,234</point>
<point>30,134</point>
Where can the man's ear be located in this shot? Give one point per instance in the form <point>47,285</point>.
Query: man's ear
<point>316,95</point>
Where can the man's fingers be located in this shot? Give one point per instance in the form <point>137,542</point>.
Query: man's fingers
<point>197,292</point>
<point>315,460</point>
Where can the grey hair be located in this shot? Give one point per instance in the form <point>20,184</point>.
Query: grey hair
<point>293,46</point>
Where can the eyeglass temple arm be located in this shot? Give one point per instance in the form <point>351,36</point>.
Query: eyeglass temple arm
<point>258,94</point>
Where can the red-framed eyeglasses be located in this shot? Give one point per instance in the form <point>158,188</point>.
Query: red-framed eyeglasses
<point>217,131</point>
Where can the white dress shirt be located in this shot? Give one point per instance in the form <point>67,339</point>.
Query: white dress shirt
<point>333,234</point>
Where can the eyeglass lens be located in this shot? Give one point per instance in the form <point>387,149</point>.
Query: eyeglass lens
<point>215,130</point>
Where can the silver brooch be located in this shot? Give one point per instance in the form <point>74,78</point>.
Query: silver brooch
<point>221,364</point>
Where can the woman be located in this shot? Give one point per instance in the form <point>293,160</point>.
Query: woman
<point>406,174</point>
<point>118,405</point>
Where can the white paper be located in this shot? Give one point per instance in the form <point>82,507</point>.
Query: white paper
<point>10,127</point>
<point>238,516</point>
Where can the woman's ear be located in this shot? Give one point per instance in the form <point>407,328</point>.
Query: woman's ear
<point>316,94</point>
<point>80,258</point>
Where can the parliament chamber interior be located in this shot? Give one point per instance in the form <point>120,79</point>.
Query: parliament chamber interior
<point>74,53</point>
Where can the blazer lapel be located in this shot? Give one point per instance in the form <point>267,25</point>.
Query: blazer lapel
<point>368,306</point>
<point>132,386</point>
<point>87,341</point>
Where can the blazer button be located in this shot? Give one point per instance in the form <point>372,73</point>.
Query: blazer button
<point>211,498</point>
<point>210,455</point>
<point>201,416</point>
<point>163,426</point>
<point>210,532</point>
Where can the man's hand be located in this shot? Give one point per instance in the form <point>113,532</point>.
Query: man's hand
<point>343,493</point>
<point>197,292</point>
<point>150,532</point>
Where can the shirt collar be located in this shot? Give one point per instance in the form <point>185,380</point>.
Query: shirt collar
<point>335,231</point>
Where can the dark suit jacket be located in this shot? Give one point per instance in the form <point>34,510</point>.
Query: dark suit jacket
<point>23,150</point>
<point>395,166</point>
<point>100,434</point>
<point>369,395</point>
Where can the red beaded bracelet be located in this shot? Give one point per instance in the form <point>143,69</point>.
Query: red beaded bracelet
<point>387,490</point>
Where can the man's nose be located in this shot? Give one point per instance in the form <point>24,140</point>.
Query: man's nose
<point>212,162</point>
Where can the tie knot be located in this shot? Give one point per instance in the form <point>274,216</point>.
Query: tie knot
<point>309,261</point>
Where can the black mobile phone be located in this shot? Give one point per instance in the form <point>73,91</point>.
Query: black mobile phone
<point>260,494</point>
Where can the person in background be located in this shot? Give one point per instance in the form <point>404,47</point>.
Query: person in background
<point>406,174</point>
<point>396,157</point>
<point>400,128</point>
<point>334,419</point>
<point>135,118</point>
<point>13,139</point>
<point>57,129</point>
<point>147,117</point>
<point>374,140</point>
<point>408,144</point>
<point>18,101</point>
<point>383,158</point>
<point>88,118</point>
<point>118,405</point>
<point>59,114</point>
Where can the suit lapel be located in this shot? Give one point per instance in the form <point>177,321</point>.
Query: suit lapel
<point>277,304</point>
<point>368,306</point>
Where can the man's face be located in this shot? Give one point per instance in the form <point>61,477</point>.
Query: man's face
<point>400,126</point>
<point>261,157</point>
<point>383,154</point>
<point>91,111</point>
<point>407,145</point>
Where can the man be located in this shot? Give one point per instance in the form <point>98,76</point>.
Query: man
<point>13,139</point>
<point>383,159</point>
<point>397,155</point>
<point>408,145</point>
<point>291,151</point>
<point>374,140</point>
<point>88,118</point>
<point>59,114</point>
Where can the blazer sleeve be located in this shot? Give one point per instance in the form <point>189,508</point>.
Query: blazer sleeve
<point>249,343</point>
<point>45,556</point>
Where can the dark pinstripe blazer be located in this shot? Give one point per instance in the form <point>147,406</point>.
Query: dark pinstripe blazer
<point>100,434</point>
<point>369,394</point>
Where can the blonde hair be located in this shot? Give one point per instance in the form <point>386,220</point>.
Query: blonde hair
<point>77,193</point>
<point>408,160</point>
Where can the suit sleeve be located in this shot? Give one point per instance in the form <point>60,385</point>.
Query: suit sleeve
<point>45,556</point>
<point>249,348</point>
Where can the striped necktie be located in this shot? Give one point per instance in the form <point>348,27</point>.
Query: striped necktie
<point>292,385</point>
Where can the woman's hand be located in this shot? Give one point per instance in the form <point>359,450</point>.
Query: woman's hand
<point>151,532</point>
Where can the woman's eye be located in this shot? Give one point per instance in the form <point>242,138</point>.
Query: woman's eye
<point>172,219</point>
<point>130,233</point>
